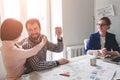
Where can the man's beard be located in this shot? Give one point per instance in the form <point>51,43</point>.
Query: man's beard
<point>35,38</point>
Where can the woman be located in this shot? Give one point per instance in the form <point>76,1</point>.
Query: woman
<point>103,42</point>
<point>14,58</point>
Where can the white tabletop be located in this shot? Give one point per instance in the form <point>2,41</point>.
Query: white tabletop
<point>79,68</point>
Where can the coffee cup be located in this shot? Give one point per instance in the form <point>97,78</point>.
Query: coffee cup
<point>93,61</point>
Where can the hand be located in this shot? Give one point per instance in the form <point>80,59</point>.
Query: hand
<point>63,61</point>
<point>21,42</point>
<point>103,51</point>
<point>44,40</point>
<point>113,53</point>
<point>58,31</point>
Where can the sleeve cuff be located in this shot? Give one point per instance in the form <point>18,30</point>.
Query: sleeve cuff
<point>57,62</point>
<point>60,40</point>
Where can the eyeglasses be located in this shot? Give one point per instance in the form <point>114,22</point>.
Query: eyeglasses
<point>101,24</point>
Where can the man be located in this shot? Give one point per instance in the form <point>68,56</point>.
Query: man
<point>38,62</point>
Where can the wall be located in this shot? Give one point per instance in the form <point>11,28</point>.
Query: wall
<point>77,20</point>
<point>115,27</point>
<point>1,10</point>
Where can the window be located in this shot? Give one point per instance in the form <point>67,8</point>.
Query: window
<point>38,9</point>
<point>56,20</point>
<point>11,8</point>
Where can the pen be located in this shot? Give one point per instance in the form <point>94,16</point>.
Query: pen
<point>65,74</point>
<point>114,75</point>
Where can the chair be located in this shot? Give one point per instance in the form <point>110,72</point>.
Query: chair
<point>85,42</point>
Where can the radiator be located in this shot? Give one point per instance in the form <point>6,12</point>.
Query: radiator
<point>74,51</point>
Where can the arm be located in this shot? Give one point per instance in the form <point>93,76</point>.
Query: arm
<point>55,47</point>
<point>59,46</point>
<point>33,51</point>
<point>21,42</point>
<point>113,47</point>
<point>89,47</point>
<point>93,44</point>
<point>38,65</point>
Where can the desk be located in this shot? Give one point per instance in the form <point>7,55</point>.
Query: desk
<point>79,69</point>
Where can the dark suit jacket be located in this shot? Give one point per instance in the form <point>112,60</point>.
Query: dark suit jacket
<point>110,42</point>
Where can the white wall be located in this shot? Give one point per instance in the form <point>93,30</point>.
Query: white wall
<point>1,10</point>
<point>77,20</point>
<point>115,27</point>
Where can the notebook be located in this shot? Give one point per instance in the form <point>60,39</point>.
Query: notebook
<point>114,60</point>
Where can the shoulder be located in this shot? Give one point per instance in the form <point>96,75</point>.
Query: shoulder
<point>110,34</point>
<point>94,34</point>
